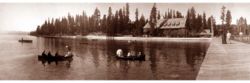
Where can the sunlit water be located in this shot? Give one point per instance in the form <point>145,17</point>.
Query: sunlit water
<point>95,59</point>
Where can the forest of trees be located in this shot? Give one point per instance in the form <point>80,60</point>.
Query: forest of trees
<point>241,27</point>
<point>196,23</point>
<point>112,24</point>
<point>119,23</point>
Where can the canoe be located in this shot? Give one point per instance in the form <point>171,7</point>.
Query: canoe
<point>142,57</point>
<point>57,58</point>
<point>25,41</point>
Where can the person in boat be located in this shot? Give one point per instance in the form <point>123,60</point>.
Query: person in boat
<point>132,53</point>
<point>139,54</point>
<point>69,53</point>
<point>49,55</point>
<point>129,54</point>
<point>56,57</point>
<point>56,54</point>
<point>43,54</point>
<point>119,53</point>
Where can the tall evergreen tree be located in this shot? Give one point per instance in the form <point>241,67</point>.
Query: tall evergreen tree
<point>193,25</point>
<point>222,23</point>
<point>188,23</point>
<point>228,20</point>
<point>204,21</point>
<point>199,24</point>
<point>110,22</point>
<point>142,23</point>
<point>136,14</point>
<point>152,20</point>
<point>159,15</point>
<point>96,20</point>
<point>121,22</point>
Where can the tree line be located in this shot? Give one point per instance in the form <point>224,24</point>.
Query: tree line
<point>112,24</point>
<point>197,23</point>
<point>119,23</point>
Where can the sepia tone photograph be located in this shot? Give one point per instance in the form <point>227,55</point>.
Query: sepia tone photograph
<point>125,41</point>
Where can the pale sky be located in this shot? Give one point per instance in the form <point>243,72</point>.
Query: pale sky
<point>26,16</point>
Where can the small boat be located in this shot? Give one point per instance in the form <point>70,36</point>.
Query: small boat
<point>25,41</point>
<point>57,58</point>
<point>130,56</point>
<point>136,57</point>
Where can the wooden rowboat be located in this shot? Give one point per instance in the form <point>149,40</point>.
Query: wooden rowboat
<point>25,41</point>
<point>137,57</point>
<point>56,58</point>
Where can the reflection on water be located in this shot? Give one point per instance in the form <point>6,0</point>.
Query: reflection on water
<point>95,59</point>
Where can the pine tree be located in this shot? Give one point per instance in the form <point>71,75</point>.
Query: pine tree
<point>228,20</point>
<point>96,20</point>
<point>222,22</point>
<point>193,26</point>
<point>152,20</point>
<point>110,22</point>
<point>136,14</point>
<point>159,15</point>
<point>142,23</point>
<point>136,23</point>
<point>198,24</point>
<point>204,21</point>
<point>121,22</point>
<point>188,23</point>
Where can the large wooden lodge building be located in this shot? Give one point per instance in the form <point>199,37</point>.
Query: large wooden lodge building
<point>169,27</point>
<point>173,27</point>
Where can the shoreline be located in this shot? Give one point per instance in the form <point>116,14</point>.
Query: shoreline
<point>127,38</point>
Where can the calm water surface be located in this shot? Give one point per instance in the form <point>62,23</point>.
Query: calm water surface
<point>95,59</point>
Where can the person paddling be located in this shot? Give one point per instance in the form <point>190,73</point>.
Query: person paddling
<point>69,53</point>
<point>43,54</point>
<point>119,53</point>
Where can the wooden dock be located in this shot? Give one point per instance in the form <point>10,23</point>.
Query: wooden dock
<point>226,61</point>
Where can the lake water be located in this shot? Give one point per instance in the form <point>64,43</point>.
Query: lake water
<point>95,59</point>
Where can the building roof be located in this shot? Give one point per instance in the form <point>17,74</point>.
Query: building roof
<point>147,26</point>
<point>160,22</point>
<point>174,23</point>
<point>169,23</point>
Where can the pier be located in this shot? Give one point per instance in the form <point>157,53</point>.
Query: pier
<point>226,61</point>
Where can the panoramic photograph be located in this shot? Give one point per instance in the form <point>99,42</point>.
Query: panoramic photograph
<point>124,41</point>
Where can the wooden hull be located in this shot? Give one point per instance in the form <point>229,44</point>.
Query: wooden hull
<point>55,59</point>
<point>25,41</point>
<point>142,58</point>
